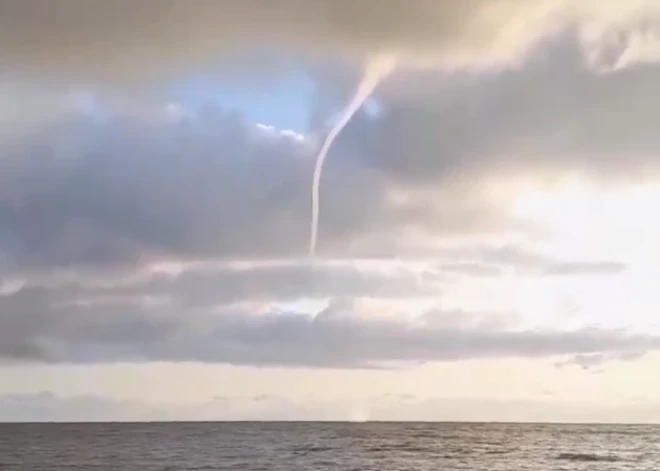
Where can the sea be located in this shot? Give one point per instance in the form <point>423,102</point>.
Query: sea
<point>310,446</point>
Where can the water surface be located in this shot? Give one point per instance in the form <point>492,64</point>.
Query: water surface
<point>328,447</point>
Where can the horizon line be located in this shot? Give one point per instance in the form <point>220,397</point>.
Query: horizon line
<point>322,421</point>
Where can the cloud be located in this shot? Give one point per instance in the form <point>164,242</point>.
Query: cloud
<point>550,117</point>
<point>93,192</point>
<point>496,259</point>
<point>277,282</point>
<point>205,284</point>
<point>90,191</point>
<point>286,281</point>
<point>39,326</point>
<point>127,189</point>
<point>84,192</point>
<point>120,39</point>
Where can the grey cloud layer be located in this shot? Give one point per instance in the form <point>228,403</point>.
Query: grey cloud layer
<point>213,285</point>
<point>98,38</point>
<point>121,38</point>
<point>284,282</point>
<point>552,116</point>
<point>107,193</point>
<point>38,326</point>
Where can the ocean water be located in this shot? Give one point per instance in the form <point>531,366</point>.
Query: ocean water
<point>328,446</point>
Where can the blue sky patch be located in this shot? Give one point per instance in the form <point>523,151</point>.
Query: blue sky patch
<point>283,103</point>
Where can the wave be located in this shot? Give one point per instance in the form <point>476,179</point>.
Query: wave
<point>495,451</point>
<point>304,450</point>
<point>587,457</point>
<point>412,447</point>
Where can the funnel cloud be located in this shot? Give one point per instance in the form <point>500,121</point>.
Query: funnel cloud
<point>376,70</point>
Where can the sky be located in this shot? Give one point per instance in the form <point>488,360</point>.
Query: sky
<point>487,245</point>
